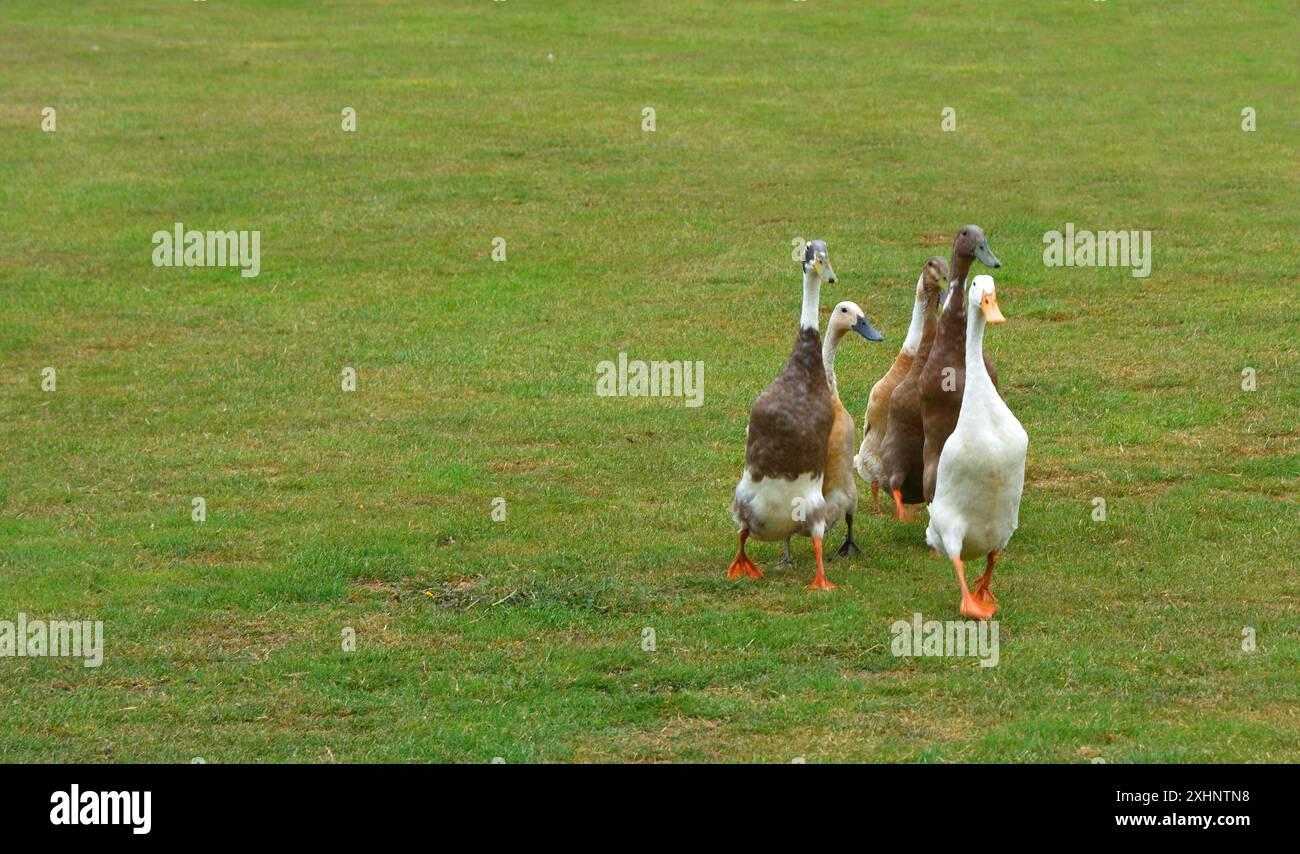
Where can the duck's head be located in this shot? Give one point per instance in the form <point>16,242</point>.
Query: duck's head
<point>968,245</point>
<point>971,243</point>
<point>816,259</point>
<point>847,316</point>
<point>984,296</point>
<point>934,278</point>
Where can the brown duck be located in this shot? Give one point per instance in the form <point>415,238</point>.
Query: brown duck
<point>867,462</point>
<point>943,379</point>
<point>780,492</point>
<point>901,449</point>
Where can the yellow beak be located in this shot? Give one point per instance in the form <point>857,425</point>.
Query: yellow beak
<point>989,305</point>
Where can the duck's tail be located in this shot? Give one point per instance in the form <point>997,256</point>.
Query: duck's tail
<point>932,538</point>
<point>867,468</point>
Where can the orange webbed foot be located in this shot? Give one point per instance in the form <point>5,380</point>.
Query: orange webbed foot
<point>977,610</point>
<point>982,593</point>
<point>742,565</point>
<point>970,605</point>
<point>820,582</point>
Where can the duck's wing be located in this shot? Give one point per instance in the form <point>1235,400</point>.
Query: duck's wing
<point>790,423</point>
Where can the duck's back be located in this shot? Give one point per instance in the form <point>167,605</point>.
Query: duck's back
<point>877,414</point>
<point>790,423</point>
<point>941,390</point>
<point>901,449</point>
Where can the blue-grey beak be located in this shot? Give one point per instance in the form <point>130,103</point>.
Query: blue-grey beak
<point>864,328</point>
<point>986,256</point>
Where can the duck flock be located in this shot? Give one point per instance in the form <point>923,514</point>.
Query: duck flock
<point>937,431</point>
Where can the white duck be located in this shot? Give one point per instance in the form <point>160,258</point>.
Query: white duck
<point>981,472</point>
<point>780,492</point>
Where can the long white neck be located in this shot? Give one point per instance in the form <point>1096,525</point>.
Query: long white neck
<point>812,288</point>
<point>977,376</point>
<point>829,347</point>
<point>913,339</point>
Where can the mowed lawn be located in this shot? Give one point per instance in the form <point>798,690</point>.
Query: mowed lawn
<point>372,510</point>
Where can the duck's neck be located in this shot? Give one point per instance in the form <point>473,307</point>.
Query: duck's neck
<point>929,326</point>
<point>960,267</point>
<point>977,376</point>
<point>812,287</point>
<point>913,339</point>
<point>829,347</point>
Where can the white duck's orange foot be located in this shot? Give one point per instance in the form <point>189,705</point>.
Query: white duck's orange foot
<point>976,610</point>
<point>970,606</point>
<point>982,593</point>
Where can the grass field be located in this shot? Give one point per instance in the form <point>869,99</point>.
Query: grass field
<point>372,510</point>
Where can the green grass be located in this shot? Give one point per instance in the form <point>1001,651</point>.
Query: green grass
<point>522,639</point>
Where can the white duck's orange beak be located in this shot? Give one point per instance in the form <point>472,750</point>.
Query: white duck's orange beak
<point>989,305</point>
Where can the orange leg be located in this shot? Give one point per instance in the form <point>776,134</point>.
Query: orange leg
<point>820,582</point>
<point>875,497</point>
<point>970,607</point>
<point>982,592</point>
<point>903,515</point>
<point>742,565</point>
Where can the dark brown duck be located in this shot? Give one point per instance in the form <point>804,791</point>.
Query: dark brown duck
<point>941,389</point>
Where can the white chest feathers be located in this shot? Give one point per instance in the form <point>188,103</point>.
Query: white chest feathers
<point>980,480</point>
<point>775,508</point>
